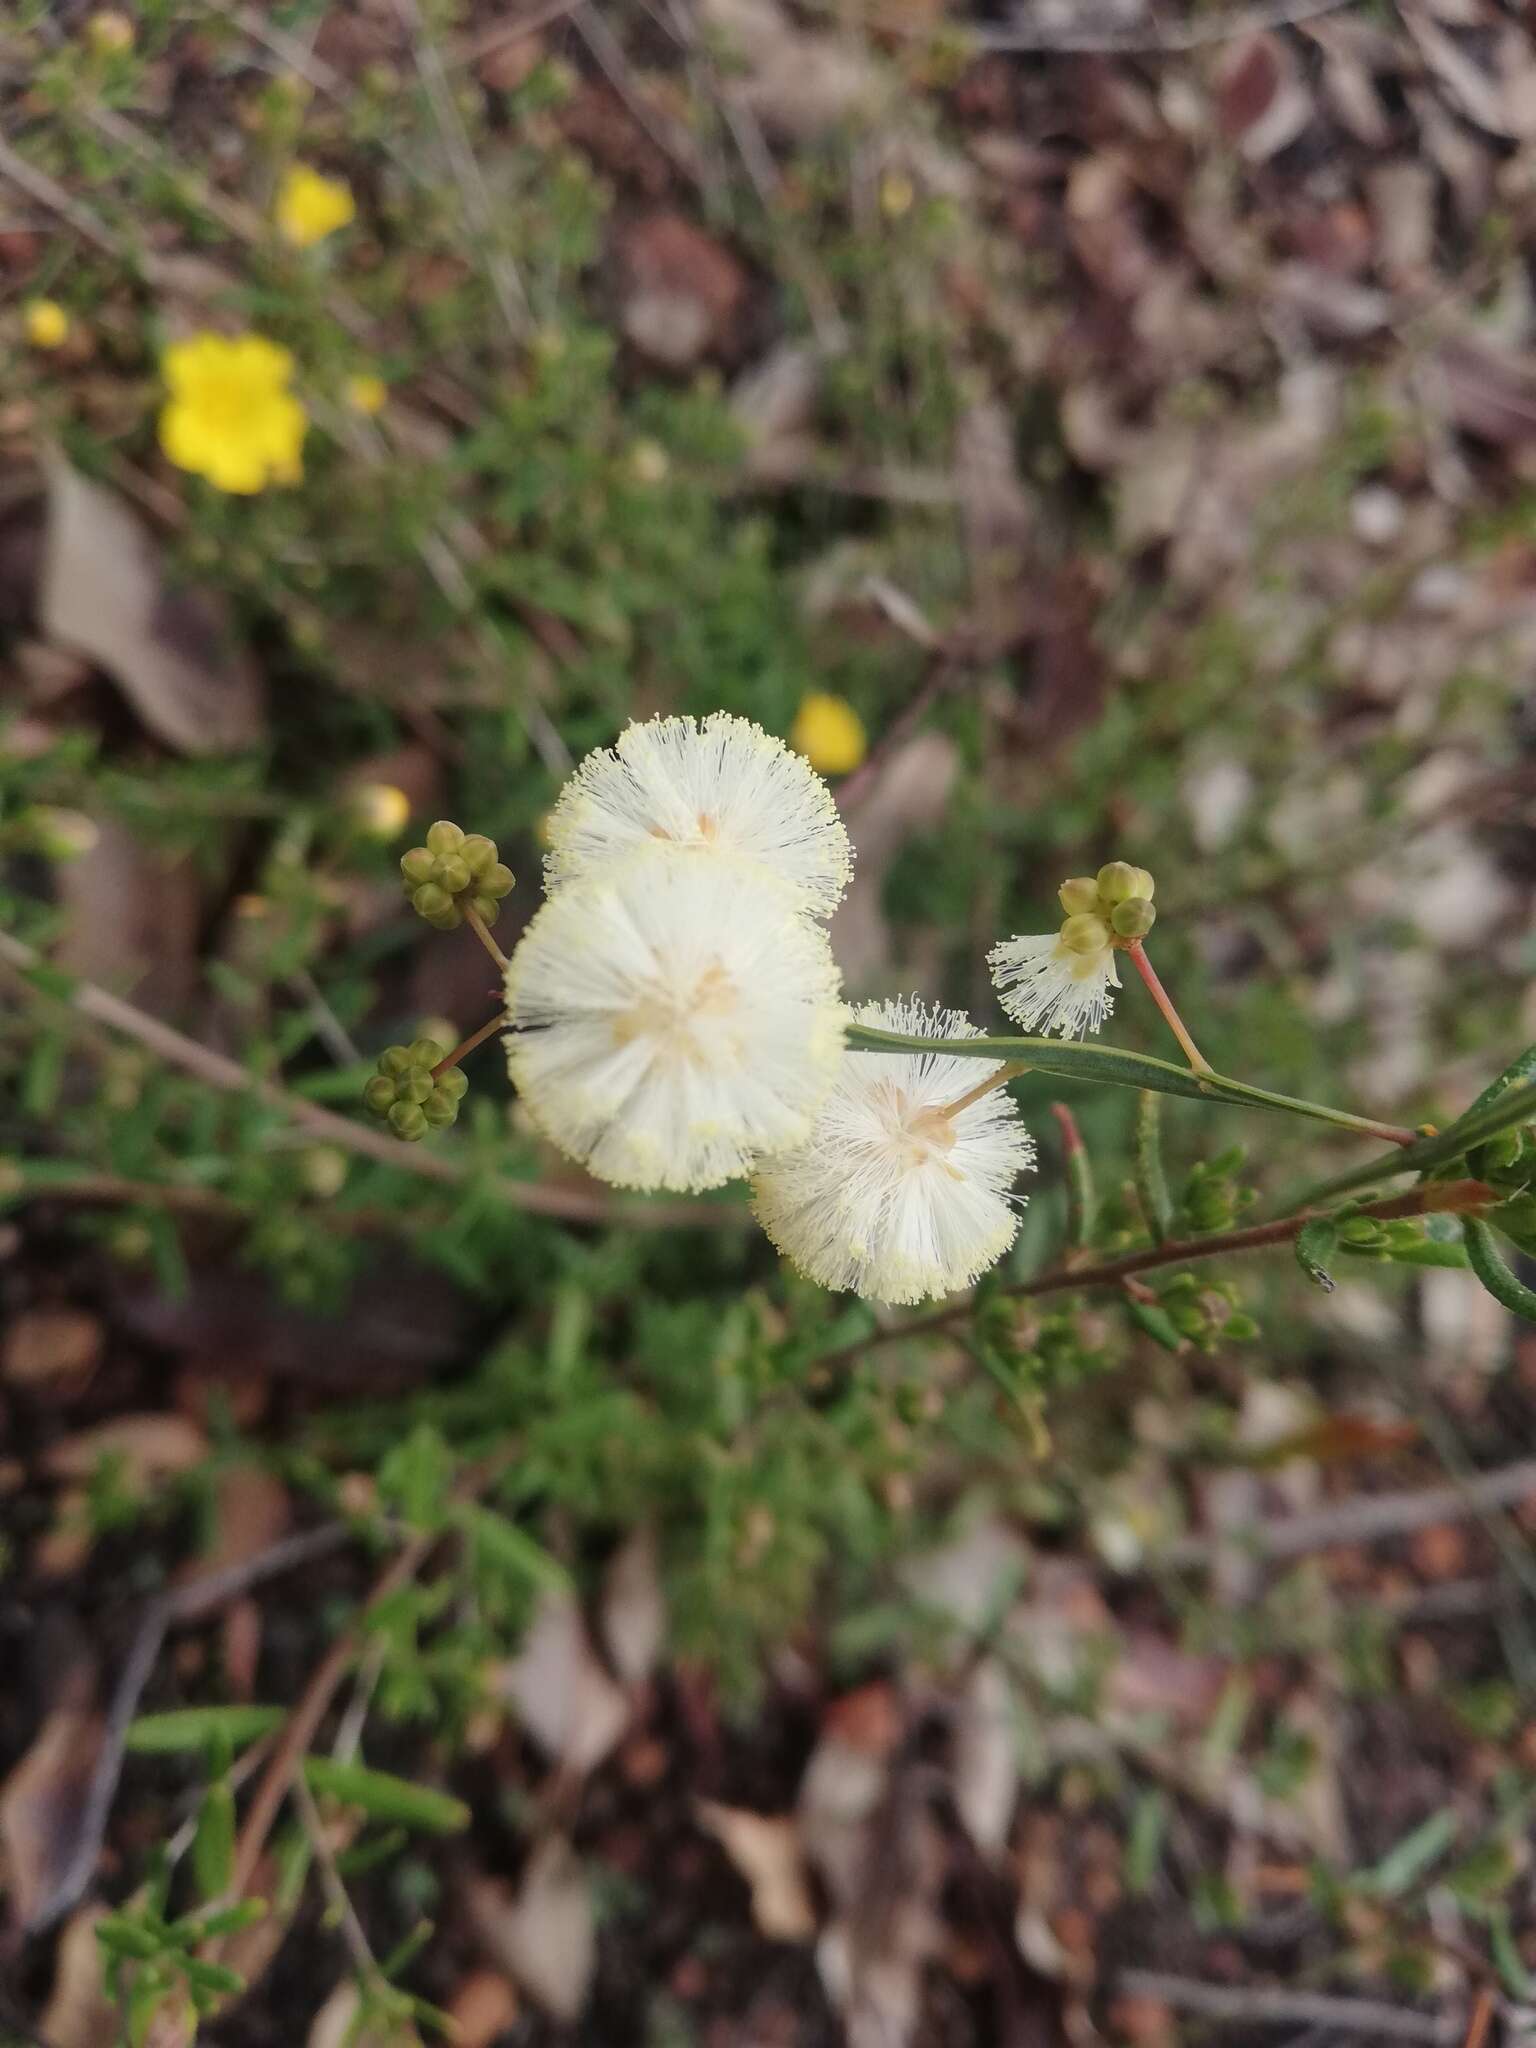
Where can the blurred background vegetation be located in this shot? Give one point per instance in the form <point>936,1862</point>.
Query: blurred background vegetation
<point>1129,415</point>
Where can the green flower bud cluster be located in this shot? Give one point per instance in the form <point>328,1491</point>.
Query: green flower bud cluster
<point>1212,1198</point>
<point>405,1095</point>
<point>1205,1312</point>
<point>453,872</point>
<point>1113,907</point>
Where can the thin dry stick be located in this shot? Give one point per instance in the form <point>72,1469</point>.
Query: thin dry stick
<point>1370,1519</point>
<point>1446,1197</point>
<point>470,49</point>
<point>195,1601</point>
<point>302,1725</point>
<point>479,213</point>
<point>1266,2006</point>
<point>574,1205</point>
<point>1193,35</point>
<point>364,1960</point>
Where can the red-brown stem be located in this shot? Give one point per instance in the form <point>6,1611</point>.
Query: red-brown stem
<point>1439,1198</point>
<point>1164,1002</point>
<point>481,930</point>
<point>475,1038</point>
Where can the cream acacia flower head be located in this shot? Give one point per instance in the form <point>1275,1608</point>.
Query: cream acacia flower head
<point>1061,981</point>
<point>899,1194</point>
<point>718,783</point>
<point>673,1019</point>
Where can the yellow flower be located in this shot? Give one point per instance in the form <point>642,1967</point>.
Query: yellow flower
<point>381,809</point>
<point>367,393</point>
<point>109,33</point>
<point>830,734</point>
<point>230,416</point>
<point>46,322</point>
<point>310,207</point>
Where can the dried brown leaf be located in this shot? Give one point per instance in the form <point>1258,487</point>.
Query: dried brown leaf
<point>566,1700</point>
<point>765,1848</point>
<point>43,1804</point>
<point>633,1613</point>
<point>78,2013</point>
<point>151,1448</point>
<point>543,1933</point>
<point>105,592</point>
<point>49,1346</point>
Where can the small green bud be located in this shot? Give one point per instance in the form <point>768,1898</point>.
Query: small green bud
<point>418,866</point>
<point>487,909</point>
<point>445,837</point>
<point>447,920</point>
<point>416,1087</point>
<point>426,1052</point>
<point>407,1121</point>
<point>498,880</point>
<point>439,1109</point>
<point>379,1095</point>
<point>1188,1320</point>
<point>478,853</point>
<point>1079,894</point>
<point>453,873</point>
<point>1240,1329</point>
<point>1085,934</point>
<point>454,1083</point>
<point>430,901</point>
<point>395,1061</point>
<point>1133,918</point>
<point>1361,1230</point>
<point>1117,880</point>
<point>1145,884</point>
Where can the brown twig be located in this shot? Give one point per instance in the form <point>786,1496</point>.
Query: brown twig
<point>1439,1198</point>
<point>574,1205</point>
<point>1263,2005</point>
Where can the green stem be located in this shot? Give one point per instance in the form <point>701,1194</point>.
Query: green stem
<point>1073,1060</point>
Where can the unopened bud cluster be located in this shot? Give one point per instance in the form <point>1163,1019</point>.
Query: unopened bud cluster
<point>1113,907</point>
<point>407,1095</point>
<point>454,872</point>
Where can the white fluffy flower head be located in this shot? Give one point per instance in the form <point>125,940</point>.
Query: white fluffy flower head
<point>722,784</point>
<point>1044,986</point>
<point>673,1019</point>
<point>1061,981</point>
<point>899,1195</point>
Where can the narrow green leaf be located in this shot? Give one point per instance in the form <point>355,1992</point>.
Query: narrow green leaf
<point>1518,1070</point>
<point>212,1977</point>
<point>1081,1204</point>
<point>382,1796</point>
<point>1413,1855</point>
<point>1511,1964</point>
<point>213,1846</point>
<point>1151,1181</point>
<point>1499,1112</point>
<point>1155,1321</point>
<point>1429,1252</point>
<point>1315,1242</point>
<point>503,1544</point>
<point>124,1937</point>
<point>1487,1262</point>
<point>1144,1850</point>
<point>186,1728</point>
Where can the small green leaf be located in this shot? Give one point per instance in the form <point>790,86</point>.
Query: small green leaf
<point>1155,1321</point>
<point>1413,1855</point>
<point>382,1796</point>
<point>213,1846</point>
<point>1144,1849</point>
<point>186,1728</point>
<point>1487,1262</point>
<point>502,1544</point>
<point>1315,1242</point>
<point>124,1937</point>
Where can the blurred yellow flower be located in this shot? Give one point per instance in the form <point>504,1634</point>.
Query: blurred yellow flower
<point>830,734</point>
<point>381,808</point>
<point>46,322</point>
<point>109,33</point>
<point>230,416</point>
<point>367,393</point>
<point>310,206</point>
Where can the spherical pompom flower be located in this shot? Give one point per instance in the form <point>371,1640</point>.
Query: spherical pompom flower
<point>46,323</point>
<point>231,417</point>
<point>673,1019</point>
<point>904,1188</point>
<point>1047,984</point>
<point>311,206</point>
<point>721,784</point>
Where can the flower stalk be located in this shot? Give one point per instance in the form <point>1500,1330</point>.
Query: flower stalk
<point>1164,1002</point>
